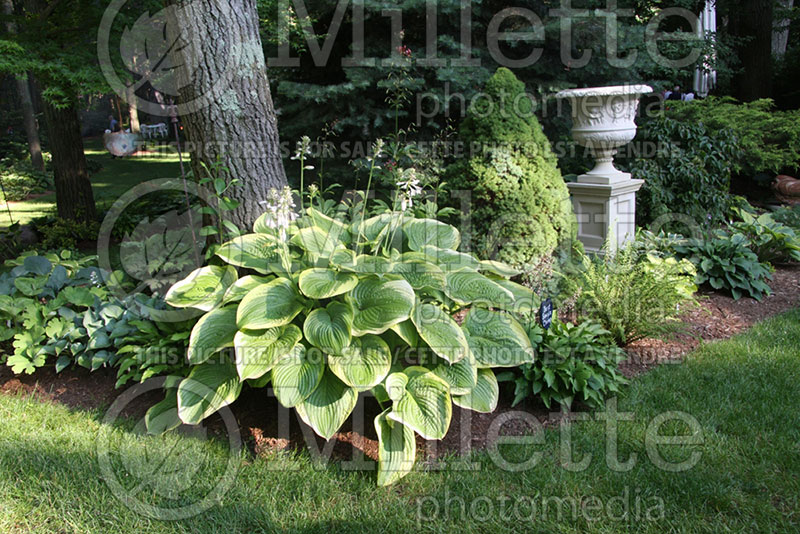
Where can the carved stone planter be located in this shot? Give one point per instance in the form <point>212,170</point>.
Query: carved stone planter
<point>122,143</point>
<point>604,199</point>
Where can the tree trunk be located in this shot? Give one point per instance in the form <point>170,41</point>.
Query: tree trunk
<point>133,111</point>
<point>74,198</point>
<point>753,21</point>
<point>29,121</point>
<point>26,103</point>
<point>238,126</point>
<point>780,32</point>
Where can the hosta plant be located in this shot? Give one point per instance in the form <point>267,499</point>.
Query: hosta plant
<point>325,310</point>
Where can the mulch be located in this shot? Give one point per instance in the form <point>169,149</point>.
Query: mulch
<point>716,317</point>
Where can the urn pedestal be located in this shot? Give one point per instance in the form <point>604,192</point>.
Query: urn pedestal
<point>604,199</point>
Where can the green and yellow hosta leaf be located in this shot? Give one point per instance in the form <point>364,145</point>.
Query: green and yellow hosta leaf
<point>327,408</point>
<point>329,328</point>
<point>460,376</point>
<point>420,274</point>
<point>203,288</point>
<point>296,376</point>
<point>450,260</point>
<point>497,339</point>
<point>253,251</point>
<point>440,332</point>
<point>424,232</point>
<point>407,332</point>
<point>467,287</point>
<point>499,268</point>
<point>163,416</point>
<point>316,241</point>
<point>269,305</point>
<point>336,228</point>
<point>257,352</point>
<point>374,228</point>
<point>483,397</point>
<point>397,449</point>
<point>425,405</point>
<point>525,300</point>
<point>209,387</point>
<point>322,283</point>
<point>212,333</point>
<point>363,364</point>
<point>380,304</point>
<point>243,286</point>
<point>368,264</point>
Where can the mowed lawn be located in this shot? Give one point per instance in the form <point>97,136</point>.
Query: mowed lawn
<point>115,178</point>
<point>743,393</point>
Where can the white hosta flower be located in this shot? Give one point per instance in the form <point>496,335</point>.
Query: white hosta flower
<point>303,148</point>
<point>409,187</point>
<point>280,212</point>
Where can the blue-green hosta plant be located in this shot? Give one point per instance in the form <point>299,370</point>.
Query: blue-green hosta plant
<point>325,310</point>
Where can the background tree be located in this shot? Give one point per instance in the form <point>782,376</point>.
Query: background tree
<point>233,123</point>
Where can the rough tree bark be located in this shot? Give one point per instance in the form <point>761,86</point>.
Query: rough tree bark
<point>26,103</point>
<point>753,20</point>
<point>780,32</point>
<point>133,110</point>
<point>239,125</point>
<point>74,198</point>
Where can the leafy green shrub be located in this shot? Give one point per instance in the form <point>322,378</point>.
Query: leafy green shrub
<point>724,261</point>
<point>768,140</point>
<point>788,215</point>
<point>20,180</point>
<point>327,309</point>
<point>633,295</point>
<point>770,240</point>
<point>57,233</point>
<point>690,173</point>
<point>573,362</point>
<point>520,206</point>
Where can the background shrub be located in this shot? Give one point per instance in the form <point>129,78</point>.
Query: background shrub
<point>20,179</point>
<point>690,174</point>
<point>521,208</point>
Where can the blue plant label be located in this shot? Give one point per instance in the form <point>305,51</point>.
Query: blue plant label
<point>546,313</point>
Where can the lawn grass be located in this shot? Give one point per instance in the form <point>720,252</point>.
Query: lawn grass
<point>116,177</point>
<point>743,392</point>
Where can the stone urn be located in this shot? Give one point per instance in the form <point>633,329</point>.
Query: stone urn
<point>122,143</point>
<point>604,199</point>
<point>603,121</point>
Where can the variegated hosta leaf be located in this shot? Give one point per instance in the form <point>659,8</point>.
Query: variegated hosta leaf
<point>450,260</point>
<point>265,222</point>
<point>212,333</point>
<point>257,352</point>
<point>380,304</point>
<point>466,287</point>
<point>323,283</point>
<point>369,264</point>
<point>243,286</point>
<point>209,387</point>
<point>422,232</point>
<point>374,228</point>
<point>525,300</point>
<point>440,332</point>
<point>497,339</point>
<point>337,229</point>
<point>425,405</point>
<point>397,449</point>
<point>327,408</point>
<point>163,416</point>
<point>296,376</point>
<point>499,268</point>
<point>329,328</point>
<point>253,251</point>
<point>407,332</point>
<point>316,241</point>
<point>483,397</point>
<point>460,376</point>
<point>203,288</point>
<point>343,257</point>
<point>420,274</point>
<point>363,364</point>
<point>395,385</point>
<point>269,305</point>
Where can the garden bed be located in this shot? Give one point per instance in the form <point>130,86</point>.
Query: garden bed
<point>717,317</point>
